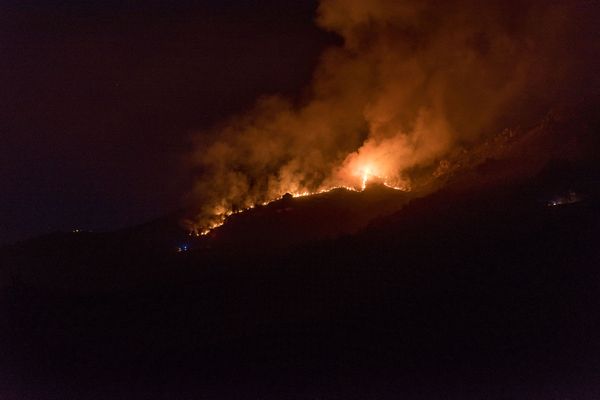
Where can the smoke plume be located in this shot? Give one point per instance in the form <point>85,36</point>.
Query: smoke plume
<point>412,82</point>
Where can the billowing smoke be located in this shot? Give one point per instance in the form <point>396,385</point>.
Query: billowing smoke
<point>413,81</point>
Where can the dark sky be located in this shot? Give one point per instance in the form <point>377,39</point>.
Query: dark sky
<point>98,99</point>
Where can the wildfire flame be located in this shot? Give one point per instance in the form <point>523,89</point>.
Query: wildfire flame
<point>365,177</point>
<point>365,174</point>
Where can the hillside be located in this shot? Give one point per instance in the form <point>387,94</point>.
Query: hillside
<point>486,286</point>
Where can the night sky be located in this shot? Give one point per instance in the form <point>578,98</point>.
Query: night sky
<point>99,99</point>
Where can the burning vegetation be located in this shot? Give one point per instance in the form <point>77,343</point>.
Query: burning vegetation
<point>366,179</point>
<point>412,85</point>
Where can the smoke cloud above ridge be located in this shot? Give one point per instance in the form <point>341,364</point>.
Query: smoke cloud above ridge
<point>412,82</point>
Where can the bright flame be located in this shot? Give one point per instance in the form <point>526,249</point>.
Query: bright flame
<point>365,177</point>
<point>221,215</point>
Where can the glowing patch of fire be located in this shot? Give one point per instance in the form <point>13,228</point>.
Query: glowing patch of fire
<point>366,174</point>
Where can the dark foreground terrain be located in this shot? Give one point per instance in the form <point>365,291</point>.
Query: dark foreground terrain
<point>478,292</point>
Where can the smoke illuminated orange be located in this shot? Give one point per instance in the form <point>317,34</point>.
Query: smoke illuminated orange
<point>396,97</point>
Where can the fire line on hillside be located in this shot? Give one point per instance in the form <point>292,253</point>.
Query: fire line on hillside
<point>366,175</point>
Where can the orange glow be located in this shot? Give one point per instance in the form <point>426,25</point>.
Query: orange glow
<point>365,174</point>
<point>365,177</point>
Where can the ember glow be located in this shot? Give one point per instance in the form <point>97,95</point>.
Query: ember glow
<point>413,84</point>
<point>220,216</point>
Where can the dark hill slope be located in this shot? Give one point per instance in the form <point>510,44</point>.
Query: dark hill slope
<point>481,290</point>
<point>146,254</point>
<point>293,221</point>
